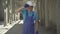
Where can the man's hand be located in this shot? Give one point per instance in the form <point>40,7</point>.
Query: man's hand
<point>36,26</point>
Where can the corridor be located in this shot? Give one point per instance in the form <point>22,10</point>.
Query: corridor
<point>48,11</point>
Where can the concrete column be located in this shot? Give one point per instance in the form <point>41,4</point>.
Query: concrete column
<point>58,16</point>
<point>6,14</point>
<point>40,12</point>
<point>43,12</point>
<point>8,9</point>
<point>10,18</point>
<point>46,14</point>
<point>13,10</point>
<point>38,7</point>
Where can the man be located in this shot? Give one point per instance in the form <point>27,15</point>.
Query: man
<point>29,16</point>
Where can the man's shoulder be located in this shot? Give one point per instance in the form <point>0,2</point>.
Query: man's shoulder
<point>34,12</point>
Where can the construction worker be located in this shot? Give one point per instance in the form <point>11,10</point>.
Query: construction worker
<point>29,16</point>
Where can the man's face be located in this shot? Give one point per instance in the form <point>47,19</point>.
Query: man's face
<point>30,8</point>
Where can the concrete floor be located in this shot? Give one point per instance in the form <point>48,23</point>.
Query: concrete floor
<point>17,29</point>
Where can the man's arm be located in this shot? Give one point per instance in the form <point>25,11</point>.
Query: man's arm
<point>19,9</point>
<point>36,21</point>
<point>36,26</point>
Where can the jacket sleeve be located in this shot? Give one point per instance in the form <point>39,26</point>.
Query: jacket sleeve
<point>23,11</point>
<point>35,16</point>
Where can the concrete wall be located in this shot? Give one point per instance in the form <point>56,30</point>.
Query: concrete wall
<point>50,13</point>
